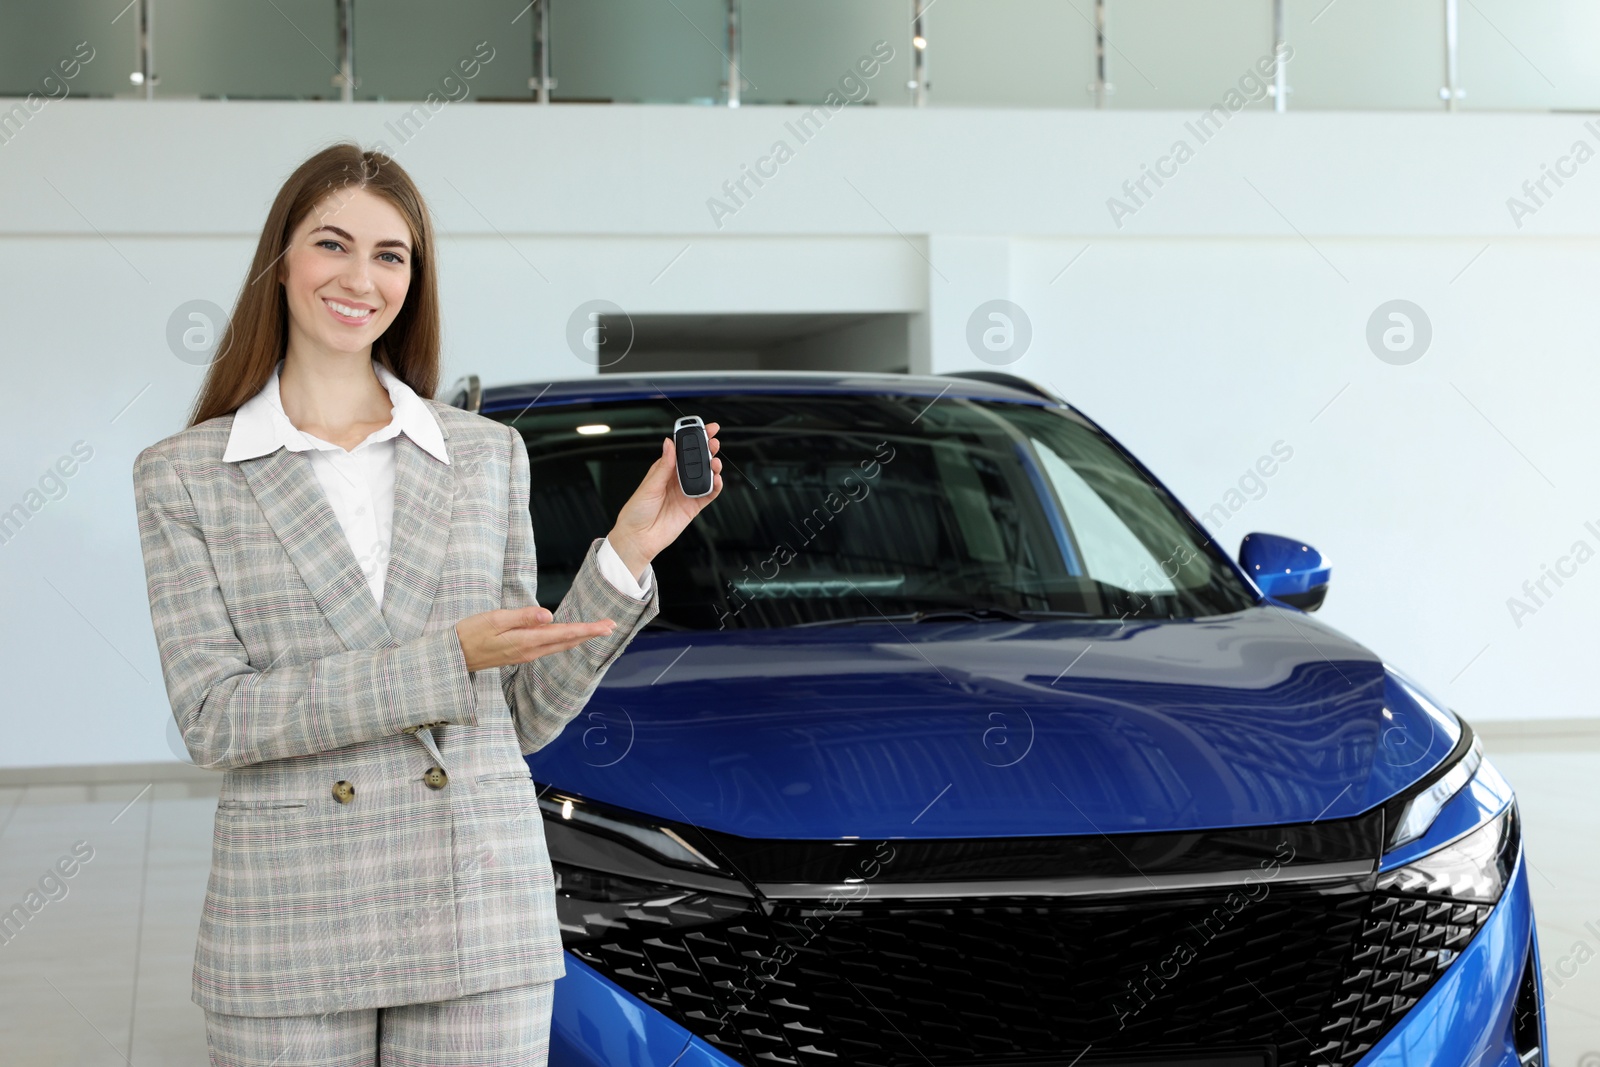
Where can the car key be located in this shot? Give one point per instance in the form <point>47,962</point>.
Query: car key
<point>694,456</point>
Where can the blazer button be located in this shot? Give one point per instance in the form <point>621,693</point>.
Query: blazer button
<point>343,792</point>
<point>436,778</point>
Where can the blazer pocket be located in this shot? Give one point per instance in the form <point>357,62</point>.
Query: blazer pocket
<point>260,806</point>
<point>505,776</point>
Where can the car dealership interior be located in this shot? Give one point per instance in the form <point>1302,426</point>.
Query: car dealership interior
<point>1118,591</point>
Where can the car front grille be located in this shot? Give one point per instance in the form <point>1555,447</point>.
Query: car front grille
<point>1296,976</point>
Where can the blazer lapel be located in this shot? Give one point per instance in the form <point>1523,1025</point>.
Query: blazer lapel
<point>298,511</point>
<point>424,502</point>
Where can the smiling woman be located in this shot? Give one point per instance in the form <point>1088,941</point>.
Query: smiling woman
<point>339,904</point>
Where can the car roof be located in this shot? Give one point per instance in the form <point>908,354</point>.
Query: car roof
<point>995,386</point>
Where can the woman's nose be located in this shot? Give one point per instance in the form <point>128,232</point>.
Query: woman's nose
<point>357,277</point>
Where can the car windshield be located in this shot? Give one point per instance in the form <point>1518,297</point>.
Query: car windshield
<point>859,508</point>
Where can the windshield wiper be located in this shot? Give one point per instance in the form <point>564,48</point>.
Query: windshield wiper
<point>955,613</point>
<point>848,620</point>
<point>984,612</point>
<point>974,613</point>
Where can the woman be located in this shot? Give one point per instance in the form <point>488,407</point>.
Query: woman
<point>341,575</point>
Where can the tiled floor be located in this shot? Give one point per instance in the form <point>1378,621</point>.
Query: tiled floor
<point>1559,793</point>
<point>100,976</point>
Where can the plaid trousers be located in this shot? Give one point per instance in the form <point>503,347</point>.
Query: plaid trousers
<point>497,1028</point>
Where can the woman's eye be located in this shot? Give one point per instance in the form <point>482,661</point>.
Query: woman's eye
<point>396,259</point>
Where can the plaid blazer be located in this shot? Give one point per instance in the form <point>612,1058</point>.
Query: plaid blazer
<point>284,675</point>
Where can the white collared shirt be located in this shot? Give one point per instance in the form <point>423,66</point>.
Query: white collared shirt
<point>359,484</point>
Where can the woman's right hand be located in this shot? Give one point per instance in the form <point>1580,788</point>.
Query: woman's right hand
<point>516,635</point>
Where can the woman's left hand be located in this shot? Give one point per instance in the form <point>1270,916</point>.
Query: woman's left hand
<point>657,512</point>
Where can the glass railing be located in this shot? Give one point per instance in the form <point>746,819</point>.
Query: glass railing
<point>1135,54</point>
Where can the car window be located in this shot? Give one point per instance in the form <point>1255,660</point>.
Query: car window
<point>844,507</point>
<point>1109,548</point>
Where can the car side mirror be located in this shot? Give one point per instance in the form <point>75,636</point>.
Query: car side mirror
<point>1285,569</point>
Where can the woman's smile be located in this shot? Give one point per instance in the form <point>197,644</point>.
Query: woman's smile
<point>349,314</point>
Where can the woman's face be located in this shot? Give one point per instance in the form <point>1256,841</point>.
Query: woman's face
<point>346,273</point>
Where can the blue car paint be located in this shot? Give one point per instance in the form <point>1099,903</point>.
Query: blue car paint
<point>1282,566</point>
<point>597,1023</point>
<point>1154,725</point>
<point>998,729</point>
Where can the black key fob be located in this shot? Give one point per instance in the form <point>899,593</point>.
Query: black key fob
<point>694,455</point>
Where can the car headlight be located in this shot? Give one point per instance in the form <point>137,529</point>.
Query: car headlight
<point>617,871</point>
<point>1419,809</point>
<point>660,842</point>
<point>1474,867</point>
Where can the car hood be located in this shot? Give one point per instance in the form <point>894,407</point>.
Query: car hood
<point>990,729</point>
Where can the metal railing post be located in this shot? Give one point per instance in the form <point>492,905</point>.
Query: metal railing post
<point>346,78</point>
<point>733,53</point>
<point>541,81</point>
<point>1099,85</point>
<point>1280,77</point>
<point>1452,87</point>
<point>919,57</point>
<point>145,77</point>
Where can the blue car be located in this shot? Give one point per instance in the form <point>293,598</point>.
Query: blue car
<point>958,742</point>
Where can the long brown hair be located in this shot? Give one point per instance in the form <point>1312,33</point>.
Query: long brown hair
<point>257,334</point>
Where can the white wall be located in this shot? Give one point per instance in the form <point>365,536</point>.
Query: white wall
<point>1226,314</point>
